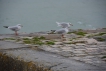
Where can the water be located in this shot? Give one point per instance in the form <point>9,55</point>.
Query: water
<point>41,15</point>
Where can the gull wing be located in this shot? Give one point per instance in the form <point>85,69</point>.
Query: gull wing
<point>14,28</point>
<point>63,24</point>
<point>60,31</point>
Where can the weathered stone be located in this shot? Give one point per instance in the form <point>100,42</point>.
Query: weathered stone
<point>87,61</point>
<point>76,58</point>
<point>80,54</point>
<point>56,46</point>
<point>92,41</point>
<point>78,41</point>
<point>66,54</point>
<point>20,42</point>
<point>78,51</point>
<point>26,37</point>
<point>50,49</point>
<point>102,48</point>
<point>88,57</point>
<point>80,44</point>
<point>66,48</point>
<point>103,45</point>
<point>93,51</point>
<point>80,47</point>
<point>103,52</point>
<point>93,46</point>
<point>73,45</point>
<point>67,42</point>
<point>72,35</point>
<point>58,43</point>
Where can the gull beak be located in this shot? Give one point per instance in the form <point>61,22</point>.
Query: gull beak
<point>71,24</point>
<point>21,25</point>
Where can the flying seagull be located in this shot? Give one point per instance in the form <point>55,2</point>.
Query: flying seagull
<point>62,31</point>
<point>64,24</point>
<point>14,28</point>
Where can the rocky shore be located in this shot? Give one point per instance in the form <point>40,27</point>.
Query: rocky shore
<point>85,46</point>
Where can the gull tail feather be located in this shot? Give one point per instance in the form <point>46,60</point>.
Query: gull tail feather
<point>5,26</point>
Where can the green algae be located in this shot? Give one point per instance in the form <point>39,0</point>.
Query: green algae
<point>42,38</point>
<point>27,41</point>
<point>37,41</point>
<point>100,34</point>
<point>9,38</point>
<point>100,39</point>
<point>103,57</point>
<point>50,43</point>
<point>81,33</point>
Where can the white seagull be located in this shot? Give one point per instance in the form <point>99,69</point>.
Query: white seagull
<point>14,28</point>
<point>64,24</point>
<point>62,31</point>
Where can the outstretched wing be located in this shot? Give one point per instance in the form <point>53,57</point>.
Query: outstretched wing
<point>59,24</point>
<point>63,24</point>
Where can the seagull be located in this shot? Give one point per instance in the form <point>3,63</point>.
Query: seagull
<point>14,28</point>
<point>64,24</point>
<point>62,31</point>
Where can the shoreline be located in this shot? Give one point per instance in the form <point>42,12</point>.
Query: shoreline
<point>84,48</point>
<point>70,30</point>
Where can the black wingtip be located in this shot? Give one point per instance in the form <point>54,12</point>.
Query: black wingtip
<point>5,26</point>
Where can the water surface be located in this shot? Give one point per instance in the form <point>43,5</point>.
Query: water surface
<point>41,15</point>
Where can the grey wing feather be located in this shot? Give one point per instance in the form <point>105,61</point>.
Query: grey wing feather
<point>60,31</point>
<point>14,28</point>
<point>64,25</point>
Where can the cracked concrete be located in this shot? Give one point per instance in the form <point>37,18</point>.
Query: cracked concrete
<point>44,59</point>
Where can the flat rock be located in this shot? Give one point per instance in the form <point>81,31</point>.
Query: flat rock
<point>80,47</point>
<point>58,43</point>
<point>92,41</point>
<point>45,59</point>
<point>80,44</point>
<point>10,45</point>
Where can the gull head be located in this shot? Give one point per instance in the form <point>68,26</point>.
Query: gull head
<point>70,24</point>
<point>19,25</point>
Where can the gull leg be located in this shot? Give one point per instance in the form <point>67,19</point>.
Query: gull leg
<point>16,33</point>
<point>63,37</point>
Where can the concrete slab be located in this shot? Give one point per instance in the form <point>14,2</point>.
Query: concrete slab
<point>46,60</point>
<point>10,45</point>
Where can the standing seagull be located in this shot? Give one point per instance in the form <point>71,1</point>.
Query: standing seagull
<point>14,28</point>
<point>64,24</point>
<point>62,31</point>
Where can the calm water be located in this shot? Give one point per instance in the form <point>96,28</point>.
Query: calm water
<point>41,15</point>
